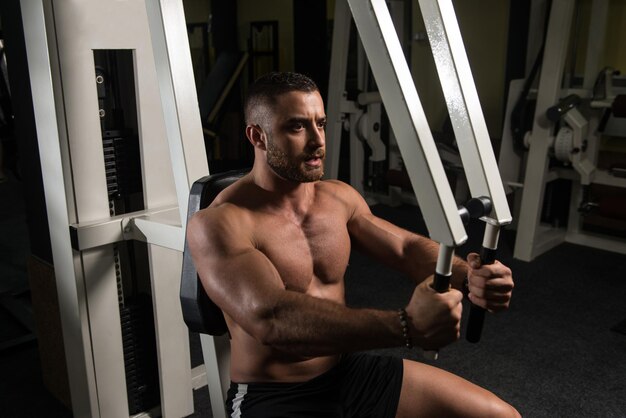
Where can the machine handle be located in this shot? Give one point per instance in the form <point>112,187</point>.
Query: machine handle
<point>477,314</point>
<point>441,282</point>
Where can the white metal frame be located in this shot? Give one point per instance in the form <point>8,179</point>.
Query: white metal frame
<point>470,128</point>
<point>72,163</point>
<point>76,338</point>
<point>407,117</point>
<point>534,238</point>
<point>408,121</point>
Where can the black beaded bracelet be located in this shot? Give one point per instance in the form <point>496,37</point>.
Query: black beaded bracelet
<point>405,328</point>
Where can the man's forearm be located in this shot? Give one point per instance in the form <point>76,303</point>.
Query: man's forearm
<point>459,273</point>
<point>310,326</point>
<point>420,261</point>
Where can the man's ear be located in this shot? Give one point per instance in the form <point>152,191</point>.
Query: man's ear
<point>256,136</point>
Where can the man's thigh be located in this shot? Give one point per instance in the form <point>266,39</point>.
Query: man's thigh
<point>431,392</point>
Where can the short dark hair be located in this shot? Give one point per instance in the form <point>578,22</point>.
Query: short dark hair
<point>265,89</point>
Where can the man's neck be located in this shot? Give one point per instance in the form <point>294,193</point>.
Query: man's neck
<point>286,194</point>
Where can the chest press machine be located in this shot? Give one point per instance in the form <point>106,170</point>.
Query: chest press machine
<point>61,39</point>
<point>443,218</point>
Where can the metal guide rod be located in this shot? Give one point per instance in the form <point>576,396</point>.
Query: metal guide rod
<point>408,121</point>
<point>464,107</point>
<point>443,270</point>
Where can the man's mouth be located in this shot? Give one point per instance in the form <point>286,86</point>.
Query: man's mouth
<point>314,160</point>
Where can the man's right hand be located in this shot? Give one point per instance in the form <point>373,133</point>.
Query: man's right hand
<point>435,318</point>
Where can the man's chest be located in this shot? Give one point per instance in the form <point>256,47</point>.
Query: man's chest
<point>312,253</point>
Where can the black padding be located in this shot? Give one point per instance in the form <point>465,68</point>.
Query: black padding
<point>199,312</point>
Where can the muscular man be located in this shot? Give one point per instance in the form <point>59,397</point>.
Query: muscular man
<point>271,252</point>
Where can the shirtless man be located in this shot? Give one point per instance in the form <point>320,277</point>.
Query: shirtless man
<point>271,252</point>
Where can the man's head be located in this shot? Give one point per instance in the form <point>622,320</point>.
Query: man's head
<point>262,94</point>
<point>285,122</point>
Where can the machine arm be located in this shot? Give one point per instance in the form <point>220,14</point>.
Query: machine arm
<point>470,129</point>
<point>409,124</point>
<point>408,121</point>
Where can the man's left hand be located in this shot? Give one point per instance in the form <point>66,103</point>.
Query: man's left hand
<point>490,286</point>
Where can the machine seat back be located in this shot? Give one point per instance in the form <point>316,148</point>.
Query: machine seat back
<point>199,312</point>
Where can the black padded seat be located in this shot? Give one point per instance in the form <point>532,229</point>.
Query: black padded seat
<point>199,312</point>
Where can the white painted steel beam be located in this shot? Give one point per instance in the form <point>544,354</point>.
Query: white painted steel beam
<point>527,242</point>
<point>336,86</point>
<point>70,292</point>
<point>179,101</point>
<point>216,353</point>
<point>468,122</point>
<point>158,226</point>
<point>408,121</point>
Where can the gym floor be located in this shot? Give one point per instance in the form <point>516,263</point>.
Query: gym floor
<point>558,352</point>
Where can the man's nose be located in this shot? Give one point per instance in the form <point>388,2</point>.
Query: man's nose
<point>317,137</point>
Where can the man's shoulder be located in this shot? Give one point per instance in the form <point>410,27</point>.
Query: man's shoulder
<point>228,209</point>
<point>335,186</point>
<point>340,191</point>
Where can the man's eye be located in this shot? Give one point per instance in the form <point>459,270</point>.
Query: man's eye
<point>321,125</point>
<point>297,126</point>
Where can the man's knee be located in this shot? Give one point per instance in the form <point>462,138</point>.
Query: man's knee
<point>501,409</point>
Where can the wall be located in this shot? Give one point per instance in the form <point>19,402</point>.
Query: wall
<point>258,10</point>
<point>616,36</point>
<point>614,50</point>
<point>197,11</point>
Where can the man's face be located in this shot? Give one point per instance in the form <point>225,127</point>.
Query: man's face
<point>296,143</point>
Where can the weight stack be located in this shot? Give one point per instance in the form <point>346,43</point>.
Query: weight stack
<point>122,163</point>
<point>140,357</point>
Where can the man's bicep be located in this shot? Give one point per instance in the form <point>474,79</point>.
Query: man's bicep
<point>403,250</point>
<point>240,279</point>
<point>378,238</point>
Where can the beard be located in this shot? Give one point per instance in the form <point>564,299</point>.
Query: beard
<point>294,169</point>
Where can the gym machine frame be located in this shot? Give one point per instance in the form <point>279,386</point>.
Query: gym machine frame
<point>63,35</point>
<point>533,237</point>
<point>86,289</point>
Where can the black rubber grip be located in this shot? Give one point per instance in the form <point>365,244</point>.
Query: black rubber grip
<point>477,314</point>
<point>475,322</point>
<point>441,283</point>
<point>487,256</point>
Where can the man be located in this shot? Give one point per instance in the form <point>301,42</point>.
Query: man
<point>271,252</point>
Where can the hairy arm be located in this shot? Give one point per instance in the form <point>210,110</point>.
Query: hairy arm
<point>416,256</point>
<point>408,252</point>
<point>245,284</point>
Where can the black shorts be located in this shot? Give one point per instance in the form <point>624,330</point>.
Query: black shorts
<point>360,385</point>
